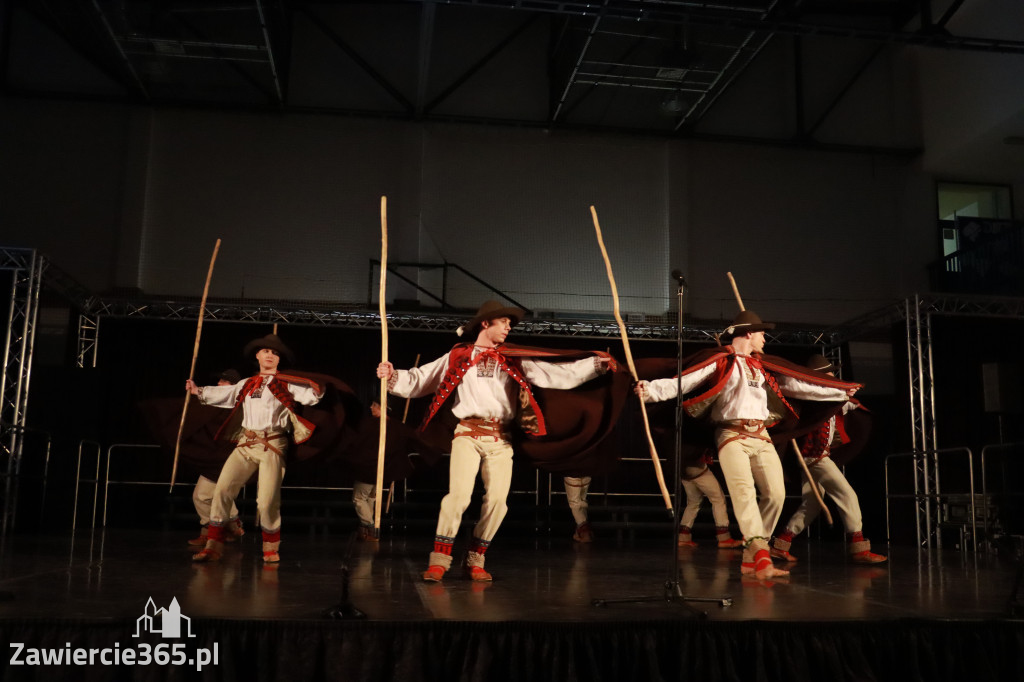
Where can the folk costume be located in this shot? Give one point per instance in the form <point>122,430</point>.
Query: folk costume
<point>486,389</point>
<point>816,449</point>
<point>268,404</point>
<point>744,395</point>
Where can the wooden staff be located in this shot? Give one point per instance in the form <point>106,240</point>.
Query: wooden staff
<point>810,481</point>
<point>735,291</point>
<point>796,447</point>
<point>383,358</point>
<point>629,361</point>
<point>192,369</point>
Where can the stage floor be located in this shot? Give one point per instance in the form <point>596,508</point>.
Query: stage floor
<point>111,574</point>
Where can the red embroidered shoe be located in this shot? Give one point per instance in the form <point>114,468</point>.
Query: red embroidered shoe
<point>763,567</point>
<point>477,574</point>
<point>583,533</point>
<point>271,558</point>
<point>206,556</point>
<point>433,574</point>
<point>234,530</point>
<point>199,540</point>
<point>867,557</point>
<point>783,554</point>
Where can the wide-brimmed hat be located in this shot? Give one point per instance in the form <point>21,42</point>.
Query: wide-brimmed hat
<point>490,310</point>
<point>747,321</point>
<point>271,341</point>
<point>229,375</point>
<point>819,363</point>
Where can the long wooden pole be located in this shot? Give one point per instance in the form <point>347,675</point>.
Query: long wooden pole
<point>735,291</point>
<point>383,358</point>
<point>629,361</point>
<point>796,447</point>
<point>810,481</point>
<point>192,368</point>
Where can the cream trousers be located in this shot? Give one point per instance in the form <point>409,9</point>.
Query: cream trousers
<point>492,458</point>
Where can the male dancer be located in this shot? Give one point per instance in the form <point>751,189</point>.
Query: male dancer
<point>815,448</point>
<point>746,392</point>
<point>268,414</point>
<point>488,380</point>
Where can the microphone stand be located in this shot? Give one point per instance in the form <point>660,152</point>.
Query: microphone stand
<point>673,591</point>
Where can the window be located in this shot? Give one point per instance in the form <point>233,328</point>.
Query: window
<point>968,200</point>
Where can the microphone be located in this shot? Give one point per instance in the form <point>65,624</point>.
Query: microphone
<point>677,275</point>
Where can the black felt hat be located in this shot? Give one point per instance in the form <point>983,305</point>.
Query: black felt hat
<point>490,310</point>
<point>747,321</point>
<point>271,341</point>
<point>820,363</point>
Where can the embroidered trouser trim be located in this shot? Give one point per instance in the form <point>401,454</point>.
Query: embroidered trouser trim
<point>704,485</point>
<point>238,468</point>
<point>830,480</point>
<point>751,465</point>
<point>576,490</point>
<point>492,458</point>
<point>442,554</point>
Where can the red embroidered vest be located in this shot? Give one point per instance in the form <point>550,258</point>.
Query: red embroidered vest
<point>460,361</point>
<point>302,428</point>
<point>817,445</point>
<point>778,406</point>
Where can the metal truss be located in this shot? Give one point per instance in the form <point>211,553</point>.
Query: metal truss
<point>363,318</point>
<point>747,17</point>
<point>916,314</point>
<point>88,340</point>
<point>26,269</point>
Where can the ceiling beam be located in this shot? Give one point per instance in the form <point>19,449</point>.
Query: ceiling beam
<point>136,80</point>
<point>357,58</point>
<point>480,63</point>
<point>270,51</point>
<point>733,18</point>
<point>576,67</point>
<point>221,56</point>
<point>427,17</point>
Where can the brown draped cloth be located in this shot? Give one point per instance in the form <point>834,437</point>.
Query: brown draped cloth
<point>402,440</point>
<point>201,454</point>
<point>698,434</point>
<point>578,420</point>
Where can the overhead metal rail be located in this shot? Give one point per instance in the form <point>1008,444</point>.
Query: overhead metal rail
<point>322,315</point>
<point>752,18</point>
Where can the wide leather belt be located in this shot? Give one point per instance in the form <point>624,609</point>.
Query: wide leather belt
<point>264,438</point>
<point>482,428</point>
<point>746,424</point>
